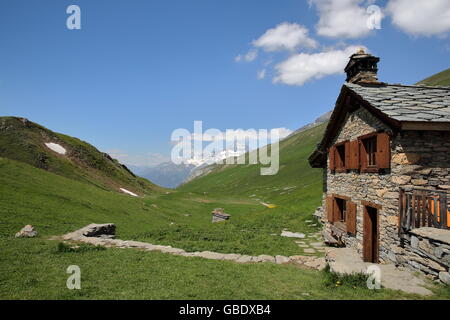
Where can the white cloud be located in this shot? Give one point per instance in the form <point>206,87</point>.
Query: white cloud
<point>140,160</point>
<point>248,57</point>
<point>285,36</point>
<point>261,74</point>
<point>303,67</point>
<point>342,18</point>
<point>421,17</point>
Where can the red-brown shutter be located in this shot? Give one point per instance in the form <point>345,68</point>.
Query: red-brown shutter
<point>383,151</point>
<point>347,155</point>
<point>362,156</point>
<point>332,156</point>
<point>354,155</point>
<point>330,207</point>
<point>351,218</point>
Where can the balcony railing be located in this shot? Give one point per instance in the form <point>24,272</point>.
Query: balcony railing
<point>423,208</point>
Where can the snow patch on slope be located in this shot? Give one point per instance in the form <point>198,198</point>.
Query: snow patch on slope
<point>128,192</point>
<point>56,147</point>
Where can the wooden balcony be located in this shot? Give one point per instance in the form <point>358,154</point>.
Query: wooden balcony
<point>423,208</point>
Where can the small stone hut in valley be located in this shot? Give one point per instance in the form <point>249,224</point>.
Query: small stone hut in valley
<point>385,160</point>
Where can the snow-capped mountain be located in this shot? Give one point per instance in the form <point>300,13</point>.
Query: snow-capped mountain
<point>171,175</point>
<point>208,158</point>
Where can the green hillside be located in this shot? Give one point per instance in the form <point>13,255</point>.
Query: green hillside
<point>297,187</point>
<point>25,141</point>
<point>440,79</point>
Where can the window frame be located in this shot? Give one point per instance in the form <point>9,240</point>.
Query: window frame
<point>370,144</point>
<point>339,223</point>
<point>362,142</point>
<point>340,156</point>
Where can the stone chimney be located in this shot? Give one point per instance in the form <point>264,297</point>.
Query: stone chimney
<point>362,68</point>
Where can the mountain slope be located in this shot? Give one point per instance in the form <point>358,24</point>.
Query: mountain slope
<point>439,79</point>
<point>296,185</point>
<point>28,142</point>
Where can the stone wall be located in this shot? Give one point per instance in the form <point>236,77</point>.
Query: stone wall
<point>426,250</point>
<point>417,159</point>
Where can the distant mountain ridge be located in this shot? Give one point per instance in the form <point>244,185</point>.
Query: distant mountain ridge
<point>166,174</point>
<point>171,175</point>
<point>323,118</point>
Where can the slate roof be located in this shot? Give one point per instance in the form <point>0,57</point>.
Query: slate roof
<point>407,103</point>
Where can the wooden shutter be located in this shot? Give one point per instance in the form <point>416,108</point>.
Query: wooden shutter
<point>330,209</point>
<point>354,155</point>
<point>383,157</point>
<point>332,157</point>
<point>351,218</point>
<point>347,155</point>
<point>336,211</point>
<point>362,156</point>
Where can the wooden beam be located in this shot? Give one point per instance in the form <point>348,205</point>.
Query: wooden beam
<point>426,126</point>
<point>371,204</point>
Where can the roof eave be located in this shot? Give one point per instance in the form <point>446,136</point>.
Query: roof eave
<point>318,157</point>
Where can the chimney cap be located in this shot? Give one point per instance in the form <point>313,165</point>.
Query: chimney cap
<point>361,51</point>
<point>362,67</point>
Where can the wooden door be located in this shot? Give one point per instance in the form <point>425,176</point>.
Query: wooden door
<point>370,237</point>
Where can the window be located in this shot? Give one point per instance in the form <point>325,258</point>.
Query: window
<point>340,163</point>
<point>374,152</point>
<point>370,144</point>
<point>341,212</point>
<point>339,156</point>
<point>341,206</point>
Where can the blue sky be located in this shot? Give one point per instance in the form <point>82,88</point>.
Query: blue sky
<point>137,70</point>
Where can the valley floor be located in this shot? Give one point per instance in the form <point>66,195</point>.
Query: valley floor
<point>36,268</point>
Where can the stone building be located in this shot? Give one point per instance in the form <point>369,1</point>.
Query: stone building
<point>385,160</point>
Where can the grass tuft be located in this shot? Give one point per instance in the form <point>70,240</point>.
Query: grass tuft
<point>63,247</point>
